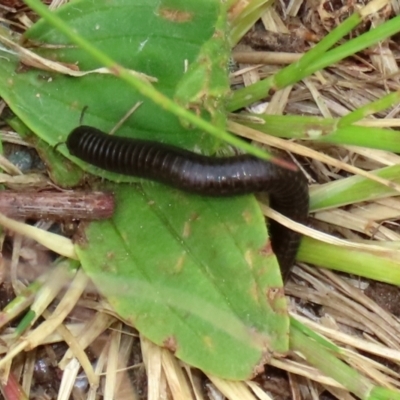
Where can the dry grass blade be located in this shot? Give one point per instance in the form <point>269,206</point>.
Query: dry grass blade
<point>32,59</point>
<point>345,305</point>
<point>265,57</point>
<point>323,237</point>
<point>112,362</point>
<point>233,390</point>
<point>152,360</point>
<point>304,370</point>
<point>56,243</point>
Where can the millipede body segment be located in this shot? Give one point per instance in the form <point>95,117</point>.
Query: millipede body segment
<point>207,176</point>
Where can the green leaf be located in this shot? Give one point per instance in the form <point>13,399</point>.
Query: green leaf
<point>202,289</point>
<point>140,35</point>
<point>191,273</point>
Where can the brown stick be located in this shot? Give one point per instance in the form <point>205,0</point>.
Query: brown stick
<point>57,205</point>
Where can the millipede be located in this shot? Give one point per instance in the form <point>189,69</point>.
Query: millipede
<point>204,175</point>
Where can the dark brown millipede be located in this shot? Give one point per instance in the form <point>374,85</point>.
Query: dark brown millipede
<point>207,176</point>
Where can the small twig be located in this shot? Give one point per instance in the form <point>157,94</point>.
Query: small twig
<point>57,206</point>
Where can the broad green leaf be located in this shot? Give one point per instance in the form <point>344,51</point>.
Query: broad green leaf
<point>194,274</point>
<point>145,36</point>
<point>206,291</point>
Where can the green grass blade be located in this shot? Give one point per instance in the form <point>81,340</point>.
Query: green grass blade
<point>326,130</point>
<point>319,59</point>
<point>382,266</point>
<point>331,366</point>
<point>353,190</point>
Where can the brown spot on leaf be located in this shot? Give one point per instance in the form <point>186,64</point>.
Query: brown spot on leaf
<point>259,367</point>
<point>108,268</point>
<point>186,229</point>
<point>248,255</point>
<point>170,344</point>
<point>180,263</point>
<point>264,344</point>
<point>173,15</point>
<point>75,105</point>
<point>267,249</point>
<point>194,217</point>
<point>273,294</point>
<point>265,359</point>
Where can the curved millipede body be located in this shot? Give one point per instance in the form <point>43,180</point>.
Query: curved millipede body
<point>208,176</point>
